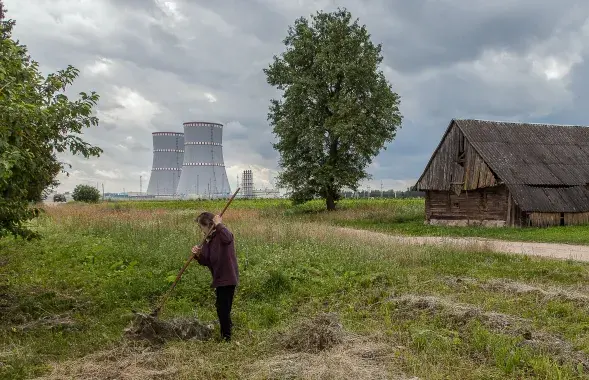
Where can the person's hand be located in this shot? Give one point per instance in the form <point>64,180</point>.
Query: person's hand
<point>217,219</point>
<point>196,251</point>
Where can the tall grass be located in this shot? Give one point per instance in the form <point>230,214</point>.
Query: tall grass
<point>390,215</point>
<point>97,263</point>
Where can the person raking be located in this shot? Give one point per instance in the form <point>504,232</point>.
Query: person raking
<point>218,254</point>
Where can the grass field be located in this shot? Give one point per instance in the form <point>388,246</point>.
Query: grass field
<point>394,216</point>
<point>429,312</point>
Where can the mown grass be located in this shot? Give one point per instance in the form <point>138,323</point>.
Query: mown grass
<point>97,263</point>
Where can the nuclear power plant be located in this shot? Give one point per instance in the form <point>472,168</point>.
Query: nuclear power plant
<point>191,165</point>
<point>166,168</point>
<point>203,170</point>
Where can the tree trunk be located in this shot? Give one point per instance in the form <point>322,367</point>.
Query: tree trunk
<point>330,201</point>
<point>333,158</point>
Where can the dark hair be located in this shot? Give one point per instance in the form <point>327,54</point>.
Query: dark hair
<point>205,219</point>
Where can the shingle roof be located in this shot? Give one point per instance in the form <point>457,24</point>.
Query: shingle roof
<point>550,199</point>
<point>546,167</point>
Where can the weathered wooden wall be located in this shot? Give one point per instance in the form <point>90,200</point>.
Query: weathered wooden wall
<point>476,205</point>
<point>547,219</point>
<point>515,216</point>
<point>571,219</point>
<point>491,204</point>
<point>456,166</point>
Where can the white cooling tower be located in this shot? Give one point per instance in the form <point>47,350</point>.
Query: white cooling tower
<point>168,152</point>
<point>203,170</point>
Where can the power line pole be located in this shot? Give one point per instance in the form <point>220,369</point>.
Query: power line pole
<point>140,185</point>
<point>103,191</point>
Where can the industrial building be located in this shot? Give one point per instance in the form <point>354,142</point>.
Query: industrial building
<point>248,190</point>
<point>247,184</point>
<point>203,169</point>
<point>168,158</point>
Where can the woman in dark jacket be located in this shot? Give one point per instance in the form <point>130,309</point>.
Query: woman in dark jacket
<point>218,254</point>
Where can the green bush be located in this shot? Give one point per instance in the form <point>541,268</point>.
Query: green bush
<point>85,193</point>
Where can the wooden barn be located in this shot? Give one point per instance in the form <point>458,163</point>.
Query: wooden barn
<point>508,174</point>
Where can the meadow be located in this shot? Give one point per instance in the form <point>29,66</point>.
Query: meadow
<point>393,216</point>
<point>381,311</point>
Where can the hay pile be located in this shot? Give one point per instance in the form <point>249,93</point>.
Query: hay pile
<point>562,351</point>
<point>122,363</point>
<point>514,287</point>
<point>351,360</point>
<point>156,331</point>
<point>319,348</point>
<point>458,314</point>
<point>313,335</point>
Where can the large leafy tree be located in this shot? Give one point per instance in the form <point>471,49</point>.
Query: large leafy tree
<point>337,109</point>
<point>37,121</point>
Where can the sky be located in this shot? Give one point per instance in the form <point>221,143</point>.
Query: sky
<point>157,64</point>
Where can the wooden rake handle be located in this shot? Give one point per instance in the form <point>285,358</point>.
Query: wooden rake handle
<point>164,299</point>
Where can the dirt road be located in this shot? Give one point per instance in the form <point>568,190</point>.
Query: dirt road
<point>550,250</point>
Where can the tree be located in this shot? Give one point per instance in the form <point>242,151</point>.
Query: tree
<point>337,109</point>
<point>37,121</point>
<point>85,193</point>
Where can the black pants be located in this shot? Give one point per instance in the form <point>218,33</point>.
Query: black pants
<point>223,304</point>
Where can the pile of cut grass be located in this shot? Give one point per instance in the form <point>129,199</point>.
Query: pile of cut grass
<point>156,331</point>
<point>313,335</point>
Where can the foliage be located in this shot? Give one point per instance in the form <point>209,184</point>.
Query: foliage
<point>86,193</point>
<point>337,110</point>
<point>97,264</point>
<point>37,121</point>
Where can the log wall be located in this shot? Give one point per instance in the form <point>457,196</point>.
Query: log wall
<point>475,206</point>
<point>456,166</point>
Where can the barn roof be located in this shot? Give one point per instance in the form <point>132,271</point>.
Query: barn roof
<point>531,154</point>
<point>545,167</point>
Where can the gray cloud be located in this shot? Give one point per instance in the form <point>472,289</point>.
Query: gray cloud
<point>159,63</point>
<point>444,32</point>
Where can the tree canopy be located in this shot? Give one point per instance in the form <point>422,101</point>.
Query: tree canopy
<point>37,121</point>
<point>337,109</point>
<point>86,193</point>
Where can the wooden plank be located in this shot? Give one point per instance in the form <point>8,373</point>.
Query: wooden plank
<point>475,171</point>
<point>509,220</point>
<point>467,167</point>
<point>469,205</point>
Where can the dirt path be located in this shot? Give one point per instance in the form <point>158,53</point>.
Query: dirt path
<point>550,250</point>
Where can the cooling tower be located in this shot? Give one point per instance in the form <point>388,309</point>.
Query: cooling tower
<point>168,157</point>
<point>203,171</point>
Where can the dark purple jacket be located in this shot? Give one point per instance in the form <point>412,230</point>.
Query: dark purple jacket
<point>218,254</point>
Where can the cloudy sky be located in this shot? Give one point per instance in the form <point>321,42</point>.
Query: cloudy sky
<point>159,63</point>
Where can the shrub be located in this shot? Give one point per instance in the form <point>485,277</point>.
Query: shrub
<point>85,193</point>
